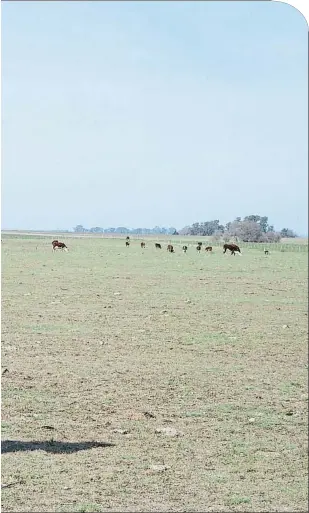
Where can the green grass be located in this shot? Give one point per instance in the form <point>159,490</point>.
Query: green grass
<point>239,500</point>
<point>196,340</point>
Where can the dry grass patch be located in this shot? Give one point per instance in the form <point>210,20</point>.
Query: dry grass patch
<point>106,346</point>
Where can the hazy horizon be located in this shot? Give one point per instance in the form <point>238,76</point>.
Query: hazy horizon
<point>42,230</point>
<point>150,113</point>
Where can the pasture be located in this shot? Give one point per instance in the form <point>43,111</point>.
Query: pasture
<point>189,369</point>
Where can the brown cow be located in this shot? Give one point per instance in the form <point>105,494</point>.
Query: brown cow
<point>232,248</point>
<point>208,248</point>
<point>170,248</point>
<point>59,245</point>
<point>143,244</point>
<point>157,245</point>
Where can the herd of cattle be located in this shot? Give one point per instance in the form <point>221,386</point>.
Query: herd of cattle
<point>233,248</point>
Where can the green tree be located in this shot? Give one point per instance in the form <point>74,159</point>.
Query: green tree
<point>264,224</point>
<point>122,229</point>
<point>286,232</point>
<point>80,229</point>
<point>262,221</point>
<point>195,229</point>
<point>172,231</point>
<point>96,229</point>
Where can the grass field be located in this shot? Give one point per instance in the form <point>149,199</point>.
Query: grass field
<point>146,381</point>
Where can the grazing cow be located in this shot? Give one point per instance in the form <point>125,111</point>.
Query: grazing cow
<point>59,245</point>
<point>232,248</point>
<point>266,251</point>
<point>170,248</point>
<point>127,243</point>
<point>184,248</point>
<point>198,247</point>
<point>143,244</point>
<point>200,244</point>
<point>209,248</point>
<point>128,238</point>
<point>157,245</point>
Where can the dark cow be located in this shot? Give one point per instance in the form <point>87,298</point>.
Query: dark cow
<point>157,245</point>
<point>128,238</point>
<point>198,247</point>
<point>266,251</point>
<point>208,248</point>
<point>127,243</point>
<point>184,248</point>
<point>200,244</point>
<point>143,244</point>
<point>170,248</point>
<point>232,247</point>
<point>59,245</point>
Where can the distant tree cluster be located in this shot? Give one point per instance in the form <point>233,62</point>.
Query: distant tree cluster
<point>123,230</point>
<point>252,228</point>
<point>205,228</point>
<point>287,233</point>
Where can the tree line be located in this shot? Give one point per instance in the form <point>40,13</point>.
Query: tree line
<point>252,228</point>
<point>123,230</point>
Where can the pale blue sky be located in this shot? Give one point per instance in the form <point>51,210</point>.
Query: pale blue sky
<point>153,113</point>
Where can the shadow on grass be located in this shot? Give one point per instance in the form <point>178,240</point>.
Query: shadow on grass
<point>50,446</point>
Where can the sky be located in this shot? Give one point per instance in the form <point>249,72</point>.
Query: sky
<point>140,114</point>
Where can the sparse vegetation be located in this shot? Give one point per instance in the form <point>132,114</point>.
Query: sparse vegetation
<point>109,344</point>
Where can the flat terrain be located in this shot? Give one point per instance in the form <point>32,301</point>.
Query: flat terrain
<point>138,380</point>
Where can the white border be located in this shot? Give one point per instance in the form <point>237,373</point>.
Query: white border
<point>300,5</point>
